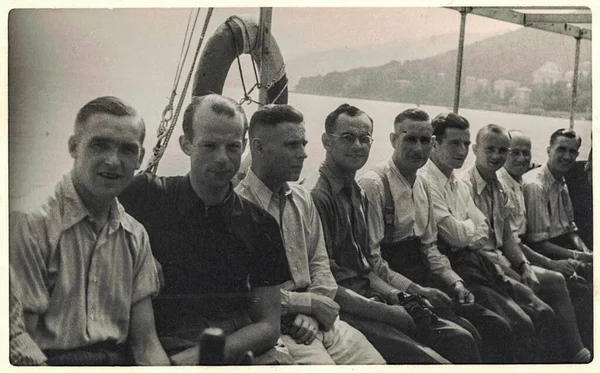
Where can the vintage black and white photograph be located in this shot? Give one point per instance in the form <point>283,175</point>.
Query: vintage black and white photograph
<point>300,185</point>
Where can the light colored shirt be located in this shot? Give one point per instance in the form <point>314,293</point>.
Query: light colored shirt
<point>23,350</point>
<point>413,217</point>
<point>514,191</point>
<point>549,207</point>
<point>459,222</point>
<point>81,284</point>
<point>302,234</point>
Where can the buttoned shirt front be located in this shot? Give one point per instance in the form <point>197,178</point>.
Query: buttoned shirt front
<point>514,191</point>
<point>82,284</point>
<point>343,211</point>
<point>460,223</point>
<point>548,205</point>
<point>303,239</point>
<point>413,217</point>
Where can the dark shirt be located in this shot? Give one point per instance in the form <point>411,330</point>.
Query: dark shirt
<point>343,212</point>
<point>211,257</point>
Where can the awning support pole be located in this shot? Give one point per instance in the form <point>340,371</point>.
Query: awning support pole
<point>264,38</point>
<point>575,81</point>
<point>459,58</point>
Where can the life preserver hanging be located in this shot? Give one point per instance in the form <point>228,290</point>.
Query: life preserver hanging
<point>237,35</point>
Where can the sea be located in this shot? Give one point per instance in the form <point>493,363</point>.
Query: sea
<point>38,156</point>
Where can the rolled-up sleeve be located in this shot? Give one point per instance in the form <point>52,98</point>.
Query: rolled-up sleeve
<point>538,216</point>
<point>439,264</point>
<point>28,251</point>
<point>375,196</point>
<point>322,281</point>
<point>23,350</point>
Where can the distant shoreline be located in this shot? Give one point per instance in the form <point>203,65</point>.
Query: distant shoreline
<point>497,108</point>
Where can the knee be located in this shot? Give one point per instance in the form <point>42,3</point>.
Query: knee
<point>554,281</point>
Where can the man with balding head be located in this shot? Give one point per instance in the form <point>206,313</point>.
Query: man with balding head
<point>222,257</point>
<point>553,285</point>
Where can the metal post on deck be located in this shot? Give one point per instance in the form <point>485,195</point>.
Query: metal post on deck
<point>575,81</point>
<point>264,39</point>
<point>459,58</point>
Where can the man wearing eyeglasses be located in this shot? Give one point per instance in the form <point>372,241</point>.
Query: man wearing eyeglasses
<point>402,232</point>
<point>342,206</point>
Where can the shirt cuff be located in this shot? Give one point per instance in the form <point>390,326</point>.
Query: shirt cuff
<point>400,282</point>
<point>24,351</point>
<point>293,303</point>
<point>538,237</point>
<point>449,277</point>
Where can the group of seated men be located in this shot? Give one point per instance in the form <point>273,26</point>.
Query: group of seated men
<point>408,264</point>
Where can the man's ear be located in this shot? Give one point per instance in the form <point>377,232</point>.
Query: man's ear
<point>434,143</point>
<point>140,158</point>
<point>186,145</point>
<point>474,147</point>
<point>548,150</point>
<point>326,140</point>
<point>393,137</point>
<point>73,146</point>
<point>256,146</point>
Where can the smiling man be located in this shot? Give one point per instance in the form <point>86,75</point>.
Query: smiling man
<point>551,228</point>
<point>222,257</point>
<point>82,267</point>
<point>402,239</point>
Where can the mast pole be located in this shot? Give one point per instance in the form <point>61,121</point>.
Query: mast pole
<point>575,81</point>
<point>459,58</point>
<point>264,39</point>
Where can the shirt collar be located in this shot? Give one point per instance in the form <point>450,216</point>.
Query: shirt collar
<point>75,211</point>
<point>549,178</point>
<point>397,173</point>
<point>261,191</point>
<point>434,172</point>
<point>187,198</point>
<point>508,179</point>
<point>480,183</point>
<point>335,182</point>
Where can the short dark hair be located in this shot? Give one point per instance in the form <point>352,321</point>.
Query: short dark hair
<point>273,114</point>
<point>494,128</point>
<point>412,114</point>
<point>564,132</point>
<point>219,104</point>
<point>349,110</point>
<point>449,120</point>
<point>107,105</point>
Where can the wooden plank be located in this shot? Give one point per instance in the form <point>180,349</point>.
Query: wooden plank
<point>509,15</point>
<point>558,18</point>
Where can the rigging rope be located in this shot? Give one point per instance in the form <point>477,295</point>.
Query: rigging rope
<point>165,135</point>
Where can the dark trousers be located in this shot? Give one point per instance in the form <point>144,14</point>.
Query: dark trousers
<point>490,329</point>
<point>405,257</point>
<point>106,353</point>
<point>395,346</point>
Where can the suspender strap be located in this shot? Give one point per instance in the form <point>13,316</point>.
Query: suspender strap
<point>388,207</point>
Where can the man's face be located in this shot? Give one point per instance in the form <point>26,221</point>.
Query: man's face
<point>519,155</point>
<point>563,154</point>
<point>453,148</point>
<point>283,151</point>
<point>491,151</point>
<point>107,151</point>
<point>412,144</point>
<point>350,143</point>
<point>216,149</point>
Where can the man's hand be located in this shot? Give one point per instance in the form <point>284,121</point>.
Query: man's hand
<point>437,297</point>
<point>325,310</point>
<point>461,293</point>
<point>565,266</point>
<point>584,257</point>
<point>529,278</point>
<point>304,329</point>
